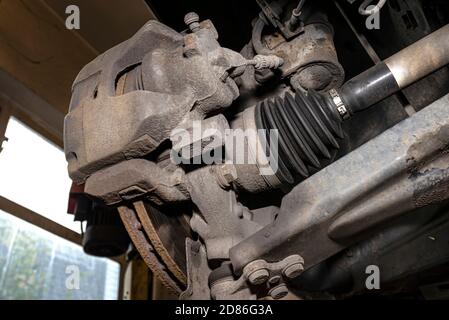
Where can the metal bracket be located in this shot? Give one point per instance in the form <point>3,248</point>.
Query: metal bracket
<point>197,272</point>
<point>275,20</point>
<point>274,274</point>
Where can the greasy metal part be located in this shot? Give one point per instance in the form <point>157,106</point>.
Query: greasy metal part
<point>257,155</point>
<point>136,178</point>
<point>265,62</point>
<point>421,58</point>
<point>147,251</point>
<point>310,58</point>
<point>226,174</point>
<point>294,21</point>
<point>161,80</point>
<point>396,72</point>
<point>271,12</point>
<point>372,54</point>
<point>402,169</point>
<point>260,279</point>
<point>197,272</point>
<point>216,220</point>
<point>256,174</point>
<point>309,135</point>
<point>229,289</point>
<point>279,292</point>
<point>172,78</point>
<point>411,21</point>
<point>221,274</point>
<point>191,144</point>
<point>404,248</point>
<point>368,88</point>
<point>259,271</point>
<point>177,268</point>
<point>225,286</point>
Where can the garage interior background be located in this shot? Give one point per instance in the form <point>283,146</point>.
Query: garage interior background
<point>39,242</point>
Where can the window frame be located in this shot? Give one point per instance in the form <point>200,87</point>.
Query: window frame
<point>42,222</point>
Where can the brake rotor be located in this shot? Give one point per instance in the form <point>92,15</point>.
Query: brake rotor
<point>160,239</point>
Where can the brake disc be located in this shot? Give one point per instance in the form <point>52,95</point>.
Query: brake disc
<point>160,239</point>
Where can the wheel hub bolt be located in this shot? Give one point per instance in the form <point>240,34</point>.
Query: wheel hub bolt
<point>259,276</point>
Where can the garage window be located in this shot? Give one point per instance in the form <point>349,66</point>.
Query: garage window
<point>36,264</point>
<point>33,173</point>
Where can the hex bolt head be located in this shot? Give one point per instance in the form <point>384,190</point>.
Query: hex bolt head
<point>259,276</point>
<point>293,270</point>
<point>229,173</point>
<point>279,292</point>
<point>226,174</point>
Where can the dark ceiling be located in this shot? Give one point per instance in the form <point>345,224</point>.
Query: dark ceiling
<point>230,17</point>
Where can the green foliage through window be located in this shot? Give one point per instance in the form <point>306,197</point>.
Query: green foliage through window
<point>35,264</point>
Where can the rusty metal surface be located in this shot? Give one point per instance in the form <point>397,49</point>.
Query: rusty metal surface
<point>400,170</point>
<point>135,178</point>
<point>198,271</point>
<point>174,235</point>
<point>216,219</point>
<point>127,103</point>
<point>104,127</point>
<point>311,58</point>
<point>147,251</point>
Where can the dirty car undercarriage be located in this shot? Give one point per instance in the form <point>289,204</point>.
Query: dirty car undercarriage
<point>283,167</point>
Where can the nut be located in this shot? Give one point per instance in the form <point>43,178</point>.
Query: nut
<point>258,276</point>
<point>293,270</point>
<point>278,292</point>
<point>229,173</point>
<point>226,174</point>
